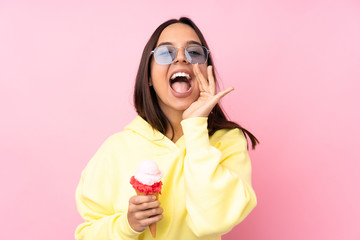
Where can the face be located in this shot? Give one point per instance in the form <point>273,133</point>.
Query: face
<point>175,84</point>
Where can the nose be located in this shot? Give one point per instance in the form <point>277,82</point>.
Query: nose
<point>180,56</point>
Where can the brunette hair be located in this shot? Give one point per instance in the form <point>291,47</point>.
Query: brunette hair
<point>145,99</point>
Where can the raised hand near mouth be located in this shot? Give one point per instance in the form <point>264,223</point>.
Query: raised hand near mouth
<point>208,97</point>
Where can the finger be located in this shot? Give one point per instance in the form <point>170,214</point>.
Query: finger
<point>137,200</point>
<point>143,207</point>
<point>152,212</point>
<point>148,213</point>
<point>211,78</point>
<point>148,205</point>
<point>203,84</point>
<point>148,221</point>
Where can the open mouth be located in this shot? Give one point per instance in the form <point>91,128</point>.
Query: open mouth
<point>180,82</point>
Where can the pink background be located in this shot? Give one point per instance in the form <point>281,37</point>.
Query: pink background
<point>67,71</point>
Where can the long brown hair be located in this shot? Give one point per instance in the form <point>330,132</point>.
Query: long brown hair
<point>145,99</point>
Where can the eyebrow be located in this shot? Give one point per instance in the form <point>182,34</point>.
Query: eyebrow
<point>188,43</point>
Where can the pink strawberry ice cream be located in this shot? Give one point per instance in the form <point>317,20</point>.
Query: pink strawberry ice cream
<point>147,178</point>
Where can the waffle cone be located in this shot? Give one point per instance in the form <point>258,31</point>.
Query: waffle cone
<point>152,226</point>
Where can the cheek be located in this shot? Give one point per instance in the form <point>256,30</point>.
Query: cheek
<point>157,72</point>
<point>204,71</point>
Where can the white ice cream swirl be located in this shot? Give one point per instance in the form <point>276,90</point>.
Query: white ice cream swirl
<point>148,173</point>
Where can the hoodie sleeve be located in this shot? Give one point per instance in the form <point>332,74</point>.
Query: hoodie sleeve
<point>94,202</point>
<point>217,178</point>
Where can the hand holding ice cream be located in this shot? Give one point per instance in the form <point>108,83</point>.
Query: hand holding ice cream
<point>144,209</point>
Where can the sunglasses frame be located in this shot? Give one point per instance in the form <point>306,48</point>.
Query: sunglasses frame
<point>186,53</point>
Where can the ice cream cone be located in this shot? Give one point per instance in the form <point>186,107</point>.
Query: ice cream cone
<point>153,225</point>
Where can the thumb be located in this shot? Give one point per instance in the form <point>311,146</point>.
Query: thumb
<point>223,93</point>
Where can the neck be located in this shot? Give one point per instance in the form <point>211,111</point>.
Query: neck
<point>175,119</point>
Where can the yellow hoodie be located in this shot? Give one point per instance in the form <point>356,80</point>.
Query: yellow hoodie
<point>206,184</point>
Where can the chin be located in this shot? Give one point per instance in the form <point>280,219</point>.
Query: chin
<point>173,103</point>
<point>182,107</point>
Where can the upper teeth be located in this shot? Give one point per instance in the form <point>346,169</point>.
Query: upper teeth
<point>180,74</point>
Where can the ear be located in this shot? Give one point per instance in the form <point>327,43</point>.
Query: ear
<point>150,82</point>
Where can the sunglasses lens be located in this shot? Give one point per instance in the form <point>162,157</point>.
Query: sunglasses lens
<point>196,54</point>
<point>165,54</point>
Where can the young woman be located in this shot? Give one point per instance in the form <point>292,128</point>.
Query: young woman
<point>203,156</point>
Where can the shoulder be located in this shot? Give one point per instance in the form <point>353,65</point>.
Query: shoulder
<point>117,137</point>
<point>109,152</point>
<point>138,125</point>
<point>118,141</point>
<point>225,138</point>
<point>233,145</point>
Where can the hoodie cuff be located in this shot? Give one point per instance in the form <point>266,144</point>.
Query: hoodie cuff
<point>124,228</point>
<point>195,133</point>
